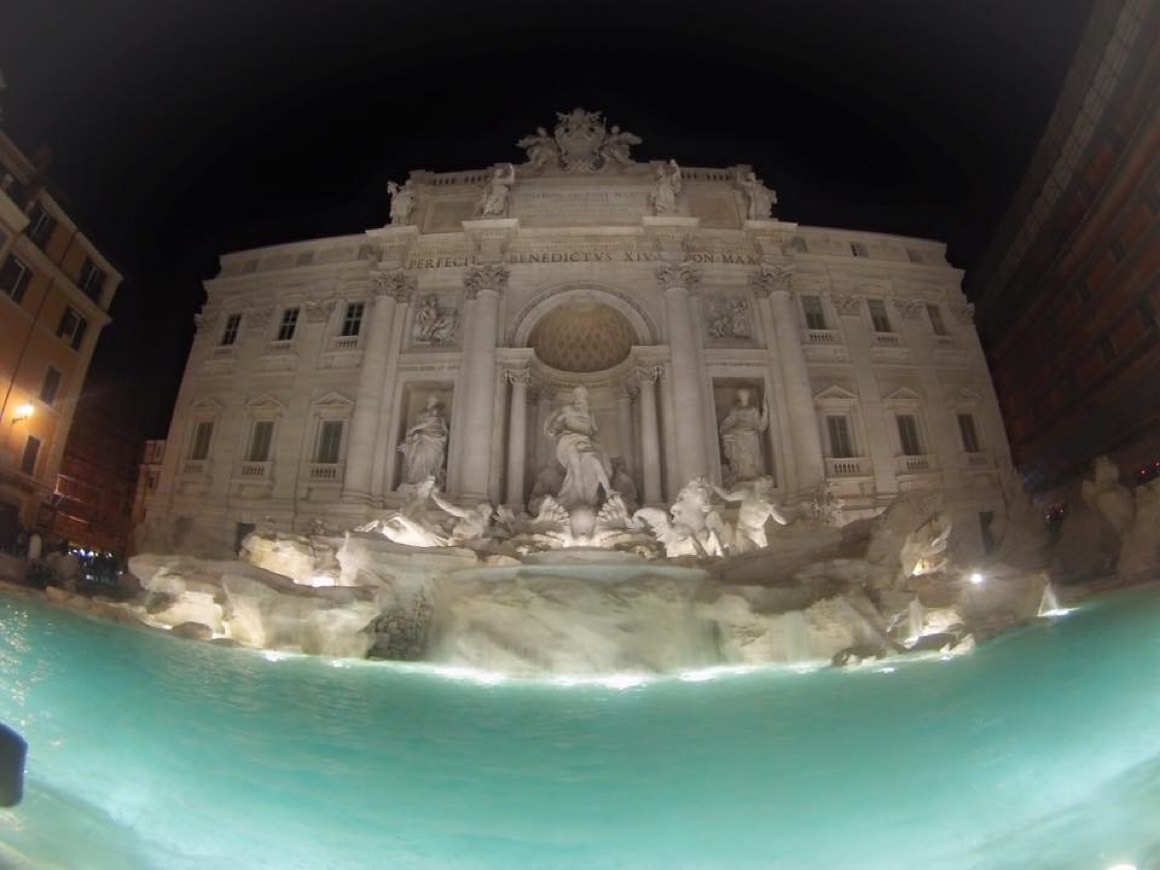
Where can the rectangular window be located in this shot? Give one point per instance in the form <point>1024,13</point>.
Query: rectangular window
<point>261,437</point>
<point>230,333</point>
<point>841,444</point>
<point>31,451</point>
<point>908,435</point>
<point>352,320</point>
<point>969,434</point>
<point>329,442</point>
<point>92,279</point>
<point>202,435</point>
<point>936,322</point>
<point>815,314</point>
<point>878,315</point>
<point>14,278</point>
<point>859,250</point>
<point>288,325</point>
<point>40,225</point>
<point>51,386</point>
<point>72,328</point>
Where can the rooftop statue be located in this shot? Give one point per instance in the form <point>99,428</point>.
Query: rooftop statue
<point>402,202</point>
<point>494,200</point>
<point>666,188</point>
<point>580,142</point>
<point>760,198</point>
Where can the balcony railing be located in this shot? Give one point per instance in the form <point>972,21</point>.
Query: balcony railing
<point>886,339</point>
<point>847,466</point>
<point>821,336</point>
<point>326,471</point>
<point>255,470</point>
<point>345,342</point>
<point>195,467</point>
<point>914,464</point>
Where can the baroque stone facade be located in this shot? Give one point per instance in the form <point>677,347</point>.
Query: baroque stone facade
<point>710,342</point>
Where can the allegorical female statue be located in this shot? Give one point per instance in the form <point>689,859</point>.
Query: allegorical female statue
<point>586,468</point>
<point>741,438</point>
<point>494,199</point>
<point>424,447</point>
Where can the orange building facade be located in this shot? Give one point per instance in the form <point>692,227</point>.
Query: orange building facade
<point>55,292</point>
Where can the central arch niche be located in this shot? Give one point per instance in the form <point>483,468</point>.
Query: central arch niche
<point>582,336</point>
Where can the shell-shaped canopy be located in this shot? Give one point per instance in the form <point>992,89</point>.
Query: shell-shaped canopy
<point>583,336</point>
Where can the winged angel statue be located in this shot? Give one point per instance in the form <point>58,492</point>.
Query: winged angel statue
<point>580,142</point>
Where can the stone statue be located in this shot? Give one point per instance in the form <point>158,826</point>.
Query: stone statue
<point>691,527</point>
<point>470,522</point>
<point>756,509</point>
<point>434,324</point>
<point>586,468</point>
<point>741,438</point>
<point>623,484</point>
<point>729,318</point>
<point>615,147</point>
<point>411,524</point>
<point>493,203</point>
<point>666,188</point>
<point>542,149</point>
<point>402,202</point>
<point>424,447</point>
<point>760,198</point>
<point>1104,493</point>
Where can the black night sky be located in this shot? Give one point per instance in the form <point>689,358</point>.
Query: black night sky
<point>182,130</point>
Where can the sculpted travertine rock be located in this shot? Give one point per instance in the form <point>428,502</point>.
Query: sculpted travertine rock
<point>1106,494</point>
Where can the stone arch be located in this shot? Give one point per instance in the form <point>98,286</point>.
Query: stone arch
<point>548,300</point>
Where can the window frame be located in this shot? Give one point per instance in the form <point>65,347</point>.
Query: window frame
<point>50,386</point>
<point>346,330</point>
<point>30,456</point>
<point>265,425</point>
<point>871,306</point>
<point>23,279</point>
<point>92,279</point>
<point>972,444</point>
<point>72,331</point>
<point>820,312</point>
<point>851,445</point>
<point>915,433</point>
<point>934,317</point>
<point>323,441</point>
<point>288,326</point>
<point>231,330</point>
<point>41,225</point>
<point>199,446</point>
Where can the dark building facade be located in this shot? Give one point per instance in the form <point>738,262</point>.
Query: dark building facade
<point>1068,294</point>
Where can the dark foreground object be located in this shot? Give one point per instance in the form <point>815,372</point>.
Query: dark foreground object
<point>13,750</point>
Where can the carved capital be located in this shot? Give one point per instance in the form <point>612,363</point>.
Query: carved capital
<point>318,310</point>
<point>485,277</point>
<point>847,304</point>
<point>964,312</point>
<point>678,275</point>
<point>649,374</point>
<point>772,277</point>
<point>518,376</point>
<point>910,309</point>
<point>630,390</point>
<point>399,284</point>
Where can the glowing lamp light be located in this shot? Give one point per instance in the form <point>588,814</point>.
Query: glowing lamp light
<point>976,579</point>
<point>22,412</point>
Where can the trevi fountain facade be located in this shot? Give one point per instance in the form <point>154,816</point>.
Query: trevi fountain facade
<point>581,414</point>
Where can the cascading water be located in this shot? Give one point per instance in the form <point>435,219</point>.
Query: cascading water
<point>1049,605</point>
<point>916,620</point>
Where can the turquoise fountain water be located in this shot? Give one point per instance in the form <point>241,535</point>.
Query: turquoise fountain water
<point>1041,749</point>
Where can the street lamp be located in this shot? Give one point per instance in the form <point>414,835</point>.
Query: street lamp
<point>22,412</point>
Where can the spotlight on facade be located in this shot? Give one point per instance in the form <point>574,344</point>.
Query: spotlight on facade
<point>22,412</point>
<point>976,579</point>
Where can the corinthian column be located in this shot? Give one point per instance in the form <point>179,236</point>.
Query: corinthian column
<point>483,285</point>
<point>517,437</point>
<point>364,424</point>
<point>692,460</point>
<point>773,283</point>
<point>650,453</point>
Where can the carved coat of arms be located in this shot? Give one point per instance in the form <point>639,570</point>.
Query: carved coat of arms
<point>580,142</point>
